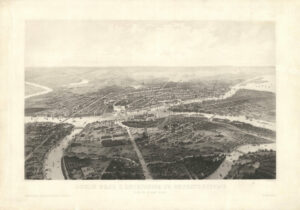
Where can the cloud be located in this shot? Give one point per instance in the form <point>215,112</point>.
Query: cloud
<point>149,43</point>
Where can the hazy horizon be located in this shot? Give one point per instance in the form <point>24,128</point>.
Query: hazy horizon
<point>149,43</point>
<point>175,74</point>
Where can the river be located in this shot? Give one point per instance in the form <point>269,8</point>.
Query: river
<point>44,90</point>
<point>226,165</point>
<point>52,164</point>
<point>77,84</point>
<point>52,167</point>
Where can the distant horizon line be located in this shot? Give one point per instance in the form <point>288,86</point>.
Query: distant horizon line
<point>154,66</point>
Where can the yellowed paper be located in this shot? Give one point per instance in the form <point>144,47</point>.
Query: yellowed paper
<point>143,34</point>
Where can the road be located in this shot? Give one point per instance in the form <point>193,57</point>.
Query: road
<point>53,160</point>
<point>146,172</point>
<point>162,110</point>
<point>52,167</point>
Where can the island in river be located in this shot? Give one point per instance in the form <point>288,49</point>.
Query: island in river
<point>203,128</point>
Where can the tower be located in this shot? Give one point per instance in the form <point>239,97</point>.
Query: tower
<point>145,132</point>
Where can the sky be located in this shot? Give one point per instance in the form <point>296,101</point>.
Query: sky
<point>59,43</point>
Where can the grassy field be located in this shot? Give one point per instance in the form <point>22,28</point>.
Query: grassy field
<point>192,147</point>
<point>105,149</point>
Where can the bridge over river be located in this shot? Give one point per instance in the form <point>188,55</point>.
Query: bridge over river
<point>53,158</point>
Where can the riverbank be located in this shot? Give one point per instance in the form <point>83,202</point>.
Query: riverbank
<point>64,170</point>
<point>52,161</point>
<point>77,84</point>
<point>227,164</point>
<point>40,139</point>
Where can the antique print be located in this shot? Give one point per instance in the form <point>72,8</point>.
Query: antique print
<point>149,99</point>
